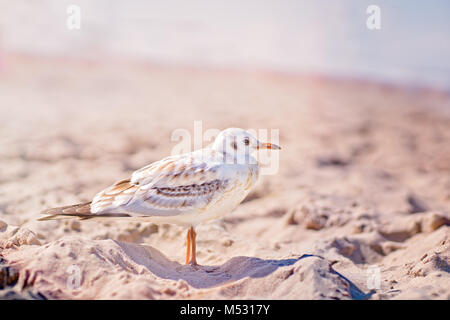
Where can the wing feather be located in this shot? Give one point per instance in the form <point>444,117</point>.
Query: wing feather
<point>172,186</point>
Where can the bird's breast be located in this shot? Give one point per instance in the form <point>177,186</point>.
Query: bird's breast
<point>238,188</point>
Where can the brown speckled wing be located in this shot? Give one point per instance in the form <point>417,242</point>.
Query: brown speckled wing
<point>172,186</point>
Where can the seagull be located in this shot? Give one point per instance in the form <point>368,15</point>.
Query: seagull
<point>185,189</point>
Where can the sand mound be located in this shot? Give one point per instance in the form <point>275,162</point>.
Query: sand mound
<point>113,269</point>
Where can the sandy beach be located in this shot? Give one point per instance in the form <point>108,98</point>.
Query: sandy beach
<point>359,208</point>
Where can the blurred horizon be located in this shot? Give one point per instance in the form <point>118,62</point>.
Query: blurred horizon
<point>290,36</point>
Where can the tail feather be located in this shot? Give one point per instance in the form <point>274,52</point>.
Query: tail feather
<point>80,208</point>
<point>81,211</point>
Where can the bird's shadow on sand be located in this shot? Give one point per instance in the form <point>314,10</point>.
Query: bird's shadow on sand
<point>202,277</point>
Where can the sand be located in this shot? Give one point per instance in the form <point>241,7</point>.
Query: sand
<point>359,208</point>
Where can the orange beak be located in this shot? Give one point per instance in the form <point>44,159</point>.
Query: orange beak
<point>268,145</point>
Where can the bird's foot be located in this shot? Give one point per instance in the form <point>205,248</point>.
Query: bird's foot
<point>193,263</point>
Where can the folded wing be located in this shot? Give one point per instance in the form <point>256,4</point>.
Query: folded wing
<point>173,186</point>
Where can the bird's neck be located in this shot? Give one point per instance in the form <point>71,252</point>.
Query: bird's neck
<point>239,158</point>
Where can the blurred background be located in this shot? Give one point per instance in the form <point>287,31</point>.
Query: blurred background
<point>325,37</point>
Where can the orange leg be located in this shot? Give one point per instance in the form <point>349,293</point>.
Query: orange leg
<point>188,246</point>
<point>194,249</point>
<point>191,254</point>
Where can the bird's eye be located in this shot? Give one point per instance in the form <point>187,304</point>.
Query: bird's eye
<point>246,141</point>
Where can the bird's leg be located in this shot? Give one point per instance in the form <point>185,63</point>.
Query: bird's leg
<point>188,245</point>
<point>194,251</point>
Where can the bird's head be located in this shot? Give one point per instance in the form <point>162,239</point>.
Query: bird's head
<point>238,142</point>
